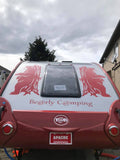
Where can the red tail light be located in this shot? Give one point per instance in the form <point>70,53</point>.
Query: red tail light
<point>113,130</point>
<point>7,128</point>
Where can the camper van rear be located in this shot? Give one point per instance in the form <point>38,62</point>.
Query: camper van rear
<point>62,105</point>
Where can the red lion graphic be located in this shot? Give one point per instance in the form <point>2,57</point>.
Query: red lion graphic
<point>28,80</point>
<point>92,83</point>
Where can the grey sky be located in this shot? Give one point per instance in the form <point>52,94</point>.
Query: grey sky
<point>78,30</point>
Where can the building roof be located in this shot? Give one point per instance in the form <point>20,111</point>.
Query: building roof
<point>115,36</point>
<point>2,68</point>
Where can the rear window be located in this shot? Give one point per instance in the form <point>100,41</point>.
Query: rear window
<point>60,81</point>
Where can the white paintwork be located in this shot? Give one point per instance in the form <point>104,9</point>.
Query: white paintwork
<point>36,102</point>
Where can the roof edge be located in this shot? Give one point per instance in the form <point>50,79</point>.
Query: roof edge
<point>115,36</point>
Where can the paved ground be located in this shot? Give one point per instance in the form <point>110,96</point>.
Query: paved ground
<point>3,156</point>
<point>58,156</point>
<point>115,152</point>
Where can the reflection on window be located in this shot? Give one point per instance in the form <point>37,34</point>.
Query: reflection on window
<point>60,81</point>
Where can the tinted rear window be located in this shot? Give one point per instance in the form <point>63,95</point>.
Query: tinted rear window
<point>60,81</point>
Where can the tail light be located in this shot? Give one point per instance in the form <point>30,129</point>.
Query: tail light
<point>113,130</point>
<point>7,128</point>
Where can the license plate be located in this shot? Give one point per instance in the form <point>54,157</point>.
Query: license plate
<point>60,138</point>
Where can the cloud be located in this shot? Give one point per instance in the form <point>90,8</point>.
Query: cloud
<point>12,30</point>
<point>75,28</point>
<point>9,61</point>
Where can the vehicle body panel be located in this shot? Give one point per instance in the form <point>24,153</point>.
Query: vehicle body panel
<point>35,117</point>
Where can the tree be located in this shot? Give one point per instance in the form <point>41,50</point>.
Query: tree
<point>38,51</point>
